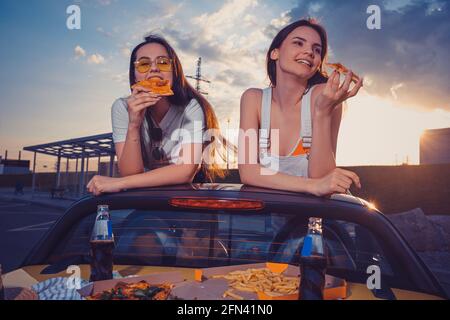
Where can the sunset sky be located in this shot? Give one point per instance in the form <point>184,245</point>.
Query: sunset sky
<point>58,84</point>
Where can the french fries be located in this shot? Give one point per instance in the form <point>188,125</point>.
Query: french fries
<point>260,280</point>
<point>229,293</point>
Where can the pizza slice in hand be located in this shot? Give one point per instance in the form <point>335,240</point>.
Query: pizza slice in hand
<point>339,67</point>
<point>156,85</point>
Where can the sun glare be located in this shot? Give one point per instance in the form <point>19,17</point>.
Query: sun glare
<point>375,131</point>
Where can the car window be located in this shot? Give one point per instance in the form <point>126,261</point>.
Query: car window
<point>217,238</point>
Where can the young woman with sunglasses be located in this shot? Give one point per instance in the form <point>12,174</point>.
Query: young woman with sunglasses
<point>159,140</point>
<point>297,118</point>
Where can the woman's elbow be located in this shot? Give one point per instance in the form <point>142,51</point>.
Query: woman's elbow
<point>244,175</point>
<point>188,174</point>
<point>187,179</point>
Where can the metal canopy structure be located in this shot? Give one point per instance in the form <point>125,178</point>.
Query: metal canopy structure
<point>83,149</point>
<point>92,146</point>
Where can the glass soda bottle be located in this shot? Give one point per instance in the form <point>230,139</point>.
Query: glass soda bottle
<point>313,262</point>
<point>102,246</point>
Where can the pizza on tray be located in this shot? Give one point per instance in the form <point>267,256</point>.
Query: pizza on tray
<point>135,291</point>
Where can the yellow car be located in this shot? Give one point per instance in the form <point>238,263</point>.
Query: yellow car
<point>183,228</point>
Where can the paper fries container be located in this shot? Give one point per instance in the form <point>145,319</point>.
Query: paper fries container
<point>335,288</point>
<point>203,274</point>
<point>174,278</point>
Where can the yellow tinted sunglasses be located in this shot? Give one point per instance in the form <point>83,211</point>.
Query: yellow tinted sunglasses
<point>144,65</point>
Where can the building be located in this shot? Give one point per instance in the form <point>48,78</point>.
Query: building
<point>8,166</point>
<point>435,146</point>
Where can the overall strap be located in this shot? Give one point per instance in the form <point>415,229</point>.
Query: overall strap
<point>306,125</point>
<point>264,132</point>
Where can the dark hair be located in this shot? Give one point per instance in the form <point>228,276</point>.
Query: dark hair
<point>320,75</point>
<point>183,93</point>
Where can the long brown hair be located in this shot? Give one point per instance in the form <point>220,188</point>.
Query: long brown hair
<point>320,76</point>
<point>183,94</point>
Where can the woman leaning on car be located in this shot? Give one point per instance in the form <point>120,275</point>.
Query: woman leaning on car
<point>296,118</point>
<point>159,140</point>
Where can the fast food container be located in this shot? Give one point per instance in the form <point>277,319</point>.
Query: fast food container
<point>335,288</point>
<point>174,278</point>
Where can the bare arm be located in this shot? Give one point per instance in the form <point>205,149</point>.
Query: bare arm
<point>326,117</point>
<point>251,172</point>
<point>335,125</point>
<point>129,154</point>
<point>168,175</point>
<point>323,150</point>
<point>181,172</point>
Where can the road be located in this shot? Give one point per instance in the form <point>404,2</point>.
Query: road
<point>22,225</point>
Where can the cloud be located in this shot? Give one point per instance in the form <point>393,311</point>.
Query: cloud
<point>192,43</point>
<point>170,10</point>
<point>395,88</point>
<point>226,18</point>
<point>411,48</point>
<point>104,33</point>
<point>165,10</point>
<point>220,36</point>
<point>104,2</point>
<point>126,52</point>
<point>96,59</point>
<point>234,78</point>
<point>121,78</point>
<point>277,24</point>
<point>281,21</point>
<point>79,52</point>
<point>231,42</point>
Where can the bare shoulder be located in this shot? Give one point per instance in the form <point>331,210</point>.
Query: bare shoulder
<point>251,95</point>
<point>251,100</point>
<point>251,107</point>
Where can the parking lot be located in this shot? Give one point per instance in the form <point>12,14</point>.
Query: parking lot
<point>21,226</point>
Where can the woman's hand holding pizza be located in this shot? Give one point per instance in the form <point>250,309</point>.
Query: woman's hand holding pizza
<point>334,94</point>
<point>138,102</point>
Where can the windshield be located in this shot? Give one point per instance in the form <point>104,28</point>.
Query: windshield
<point>218,238</point>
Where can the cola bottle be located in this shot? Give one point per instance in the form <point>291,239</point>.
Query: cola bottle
<point>102,246</point>
<point>313,262</point>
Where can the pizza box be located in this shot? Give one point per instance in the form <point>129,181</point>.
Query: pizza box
<point>175,278</point>
<point>207,287</point>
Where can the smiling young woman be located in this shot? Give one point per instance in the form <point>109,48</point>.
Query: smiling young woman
<point>159,135</point>
<point>296,118</point>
